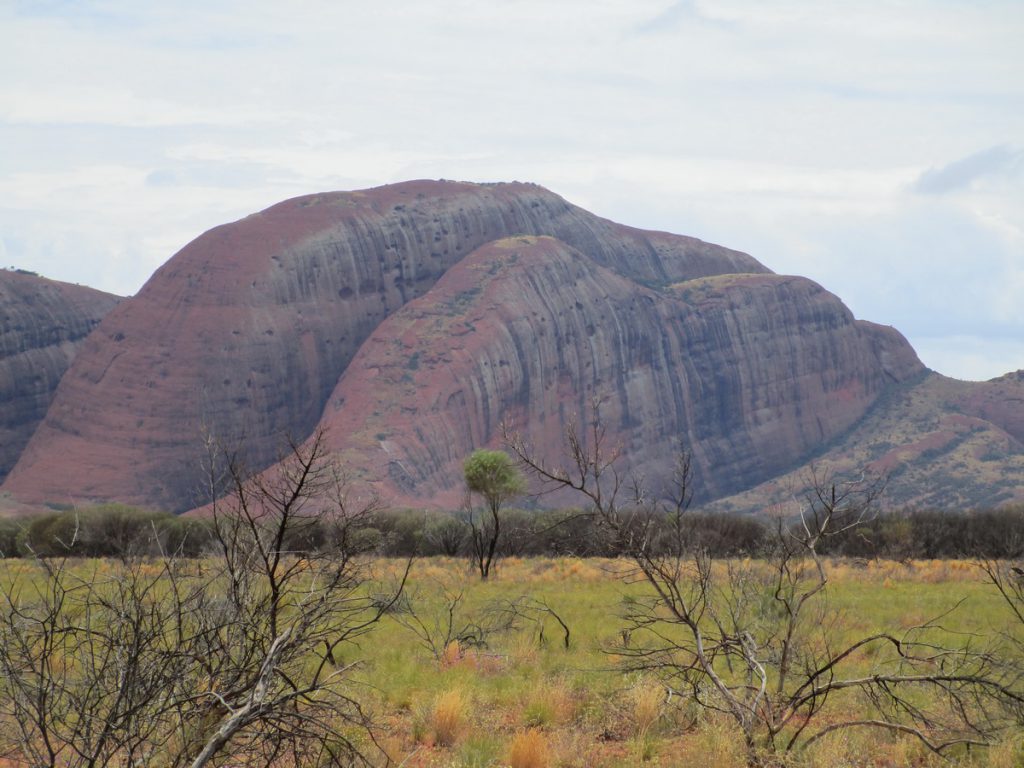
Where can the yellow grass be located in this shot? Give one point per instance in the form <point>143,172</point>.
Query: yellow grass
<point>715,744</point>
<point>529,749</point>
<point>646,698</point>
<point>448,717</point>
<point>549,704</point>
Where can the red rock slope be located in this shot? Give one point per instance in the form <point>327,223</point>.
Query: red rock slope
<point>751,370</point>
<point>42,326</point>
<point>941,442</point>
<point>244,333</point>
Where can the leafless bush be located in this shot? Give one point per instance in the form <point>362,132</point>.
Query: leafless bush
<point>758,642</point>
<point>180,662</point>
<point>535,612</point>
<point>1007,577</point>
<point>439,621</point>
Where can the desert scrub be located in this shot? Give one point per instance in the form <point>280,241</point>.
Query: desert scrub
<point>590,711</point>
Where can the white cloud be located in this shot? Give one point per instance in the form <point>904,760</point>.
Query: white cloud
<point>963,174</point>
<point>803,133</point>
<point>120,107</point>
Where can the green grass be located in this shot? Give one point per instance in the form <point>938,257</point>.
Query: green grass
<point>585,704</point>
<point>590,712</point>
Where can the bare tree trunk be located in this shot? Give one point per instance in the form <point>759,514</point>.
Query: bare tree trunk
<point>252,708</point>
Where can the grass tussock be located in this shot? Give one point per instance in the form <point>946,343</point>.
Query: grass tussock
<point>1007,754</point>
<point>529,749</point>
<point>714,744</point>
<point>550,704</point>
<point>646,699</point>
<point>448,718</point>
<point>451,655</point>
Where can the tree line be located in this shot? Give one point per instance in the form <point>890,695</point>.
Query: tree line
<point>113,530</point>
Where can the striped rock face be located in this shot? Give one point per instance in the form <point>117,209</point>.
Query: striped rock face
<point>43,324</point>
<point>411,320</point>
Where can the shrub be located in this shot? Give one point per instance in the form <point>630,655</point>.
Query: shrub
<point>444,535</point>
<point>401,531</point>
<point>11,532</point>
<point>52,534</point>
<point>181,662</point>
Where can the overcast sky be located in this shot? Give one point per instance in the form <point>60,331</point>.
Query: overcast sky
<point>876,147</point>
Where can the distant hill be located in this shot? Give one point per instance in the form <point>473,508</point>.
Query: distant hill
<point>42,325</point>
<point>411,320</point>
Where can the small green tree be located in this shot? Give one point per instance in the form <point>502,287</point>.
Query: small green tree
<point>495,478</point>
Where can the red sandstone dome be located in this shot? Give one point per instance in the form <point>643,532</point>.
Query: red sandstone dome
<point>411,320</point>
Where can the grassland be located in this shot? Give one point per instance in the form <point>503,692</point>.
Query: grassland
<point>512,695</point>
<point>526,701</point>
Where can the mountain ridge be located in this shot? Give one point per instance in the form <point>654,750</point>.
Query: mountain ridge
<point>355,310</point>
<point>245,331</point>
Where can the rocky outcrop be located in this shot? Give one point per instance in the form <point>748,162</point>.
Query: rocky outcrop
<point>410,321</point>
<point>939,442</point>
<point>999,401</point>
<point>752,371</point>
<point>42,326</point>
<point>243,335</point>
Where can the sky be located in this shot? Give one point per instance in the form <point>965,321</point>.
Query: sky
<point>876,147</point>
